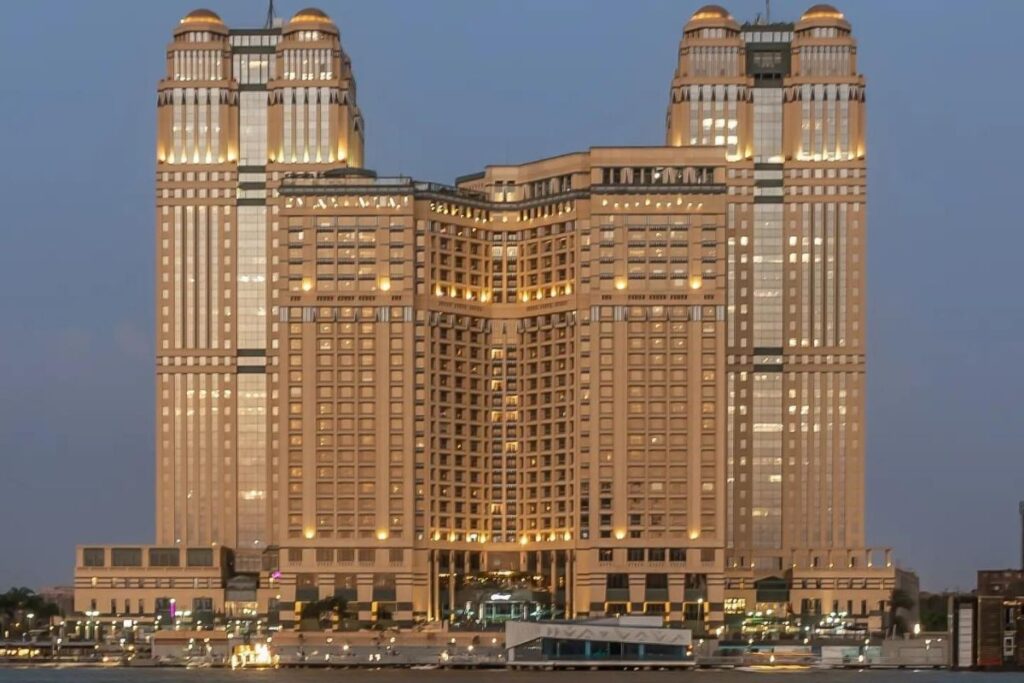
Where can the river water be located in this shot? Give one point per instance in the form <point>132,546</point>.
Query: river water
<point>490,676</point>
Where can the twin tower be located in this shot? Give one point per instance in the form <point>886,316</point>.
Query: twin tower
<point>623,380</point>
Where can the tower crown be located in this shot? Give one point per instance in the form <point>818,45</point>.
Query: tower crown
<point>822,15</point>
<point>201,20</point>
<point>309,17</point>
<point>712,15</point>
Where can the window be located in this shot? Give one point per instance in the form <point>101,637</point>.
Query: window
<point>617,581</point>
<point>605,555</point>
<point>635,554</point>
<point>677,555</point>
<point>126,557</point>
<point>199,557</point>
<point>164,557</point>
<point>657,581</point>
<point>656,555</point>
<point>94,557</point>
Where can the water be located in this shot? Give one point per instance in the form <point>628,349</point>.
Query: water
<point>407,676</point>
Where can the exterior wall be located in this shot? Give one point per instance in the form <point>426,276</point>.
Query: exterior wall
<point>127,581</point>
<point>631,378</point>
<point>234,109</point>
<point>787,103</point>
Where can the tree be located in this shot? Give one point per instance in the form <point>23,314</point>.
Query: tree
<point>18,603</point>
<point>934,612</point>
<point>900,600</point>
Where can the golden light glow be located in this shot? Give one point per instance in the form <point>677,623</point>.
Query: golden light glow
<point>307,284</point>
<point>311,14</point>
<point>620,534</point>
<point>385,284</point>
<point>711,12</point>
<point>382,535</point>
<point>309,534</point>
<point>694,535</point>
<point>524,540</point>
<point>696,281</point>
<point>202,16</point>
<point>621,282</point>
<point>822,12</point>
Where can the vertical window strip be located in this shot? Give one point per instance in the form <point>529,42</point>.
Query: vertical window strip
<point>179,279</point>
<point>324,151</point>
<point>311,131</point>
<point>805,274</point>
<point>818,275</point>
<point>215,283</point>
<point>202,484</point>
<point>190,278</point>
<point>178,400</point>
<point>191,475</point>
<point>830,274</point>
<point>841,265</point>
<point>203,291</point>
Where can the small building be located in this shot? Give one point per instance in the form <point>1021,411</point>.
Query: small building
<point>988,627</point>
<point>612,642</point>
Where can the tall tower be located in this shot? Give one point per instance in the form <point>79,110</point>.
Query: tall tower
<point>236,109</point>
<point>786,104</point>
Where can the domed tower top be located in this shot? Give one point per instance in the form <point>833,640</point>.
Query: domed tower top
<point>822,15</point>
<point>311,18</point>
<point>201,20</point>
<point>711,16</point>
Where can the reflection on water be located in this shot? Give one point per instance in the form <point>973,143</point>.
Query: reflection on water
<point>406,676</point>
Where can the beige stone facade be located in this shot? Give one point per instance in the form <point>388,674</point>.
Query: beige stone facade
<point>616,381</point>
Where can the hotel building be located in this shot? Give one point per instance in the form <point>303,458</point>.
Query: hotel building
<point>622,380</point>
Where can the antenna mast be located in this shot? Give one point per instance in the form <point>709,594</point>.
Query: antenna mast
<point>767,10</point>
<point>270,15</point>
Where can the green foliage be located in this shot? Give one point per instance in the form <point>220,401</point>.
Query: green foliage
<point>17,603</point>
<point>934,612</point>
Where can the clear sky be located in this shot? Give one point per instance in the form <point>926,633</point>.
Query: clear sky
<point>446,87</point>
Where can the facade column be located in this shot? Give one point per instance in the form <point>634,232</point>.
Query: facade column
<point>451,585</point>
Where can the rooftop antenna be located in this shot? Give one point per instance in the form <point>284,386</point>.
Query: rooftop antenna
<point>767,10</point>
<point>270,15</point>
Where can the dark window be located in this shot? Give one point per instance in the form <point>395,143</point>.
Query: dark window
<point>126,557</point>
<point>656,554</point>
<point>635,554</point>
<point>657,581</point>
<point>605,555</point>
<point>164,557</point>
<point>295,554</point>
<point>707,554</point>
<point>617,581</point>
<point>94,557</point>
<point>199,557</point>
<point>325,554</point>
<point>677,555</point>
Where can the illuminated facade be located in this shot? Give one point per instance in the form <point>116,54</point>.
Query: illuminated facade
<point>620,380</point>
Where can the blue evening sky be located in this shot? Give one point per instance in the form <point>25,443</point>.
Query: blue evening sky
<point>446,87</point>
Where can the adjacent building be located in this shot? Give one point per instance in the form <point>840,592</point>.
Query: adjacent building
<point>616,381</point>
